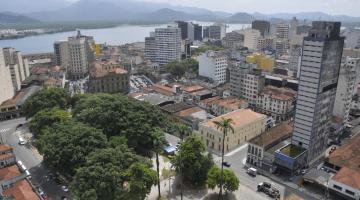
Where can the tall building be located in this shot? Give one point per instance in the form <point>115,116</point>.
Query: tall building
<point>347,82</point>
<point>265,43</point>
<point>6,84</point>
<point>198,32</point>
<point>282,31</point>
<point>293,27</point>
<point>150,48</point>
<point>187,30</point>
<point>251,37</point>
<point>168,45</point>
<point>246,82</point>
<point>76,55</point>
<point>217,31</point>
<point>213,65</point>
<point>61,53</point>
<point>320,65</point>
<point>262,26</point>
<point>352,38</point>
<point>206,32</point>
<point>282,39</point>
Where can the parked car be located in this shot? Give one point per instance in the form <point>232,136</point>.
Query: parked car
<point>226,164</point>
<point>22,141</point>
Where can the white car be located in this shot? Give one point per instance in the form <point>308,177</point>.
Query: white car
<point>22,141</point>
<point>64,188</point>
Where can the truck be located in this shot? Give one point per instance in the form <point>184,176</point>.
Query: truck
<point>268,189</point>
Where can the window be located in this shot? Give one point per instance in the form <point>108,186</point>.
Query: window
<point>349,192</point>
<point>337,187</point>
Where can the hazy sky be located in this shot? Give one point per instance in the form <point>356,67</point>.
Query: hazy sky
<point>348,7</point>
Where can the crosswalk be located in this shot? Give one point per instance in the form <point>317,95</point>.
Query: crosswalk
<point>4,130</point>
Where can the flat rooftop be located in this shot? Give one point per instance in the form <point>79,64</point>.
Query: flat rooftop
<point>176,107</point>
<point>5,147</point>
<point>292,151</point>
<point>9,172</point>
<point>273,135</point>
<point>240,118</point>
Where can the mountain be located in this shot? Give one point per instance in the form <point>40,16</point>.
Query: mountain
<point>11,18</point>
<point>28,6</point>
<point>241,17</point>
<point>167,15</point>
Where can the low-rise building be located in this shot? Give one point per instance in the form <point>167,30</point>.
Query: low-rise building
<point>233,40</point>
<point>345,162</point>
<point>226,105</point>
<point>108,77</point>
<point>247,124</point>
<point>261,148</point>
<point>276,102</point>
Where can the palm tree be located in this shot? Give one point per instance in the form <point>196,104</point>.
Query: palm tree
<point>183,132</point>
<point>158,142</point>
<point>223,125</point>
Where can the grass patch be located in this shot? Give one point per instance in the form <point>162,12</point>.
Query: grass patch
<point>292,150</point>
<point>167,173</point>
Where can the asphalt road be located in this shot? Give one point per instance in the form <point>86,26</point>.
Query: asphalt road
<point>30,157</point>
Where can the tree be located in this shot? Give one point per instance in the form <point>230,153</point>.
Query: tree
<point>183,132</point>
<point>46,118</point>
<point>118,115</point>
<point>224,125</point>
<point>229,182</point>
<point>193,161</point>
<point>105,173</point>
<point>141,179</point>
<point>66,144</point>
<point>46,98</point>
<point>158,143</point>
<point>178,68</point>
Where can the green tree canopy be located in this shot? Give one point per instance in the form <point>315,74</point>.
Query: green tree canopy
<point>118,115</point>
<point>230,181</point>
<point>105,173</point>
<point>178,68</point>
<point>193,161</point>
<point>46,118</point>
<point>66,145</point>
<point>46,98</point>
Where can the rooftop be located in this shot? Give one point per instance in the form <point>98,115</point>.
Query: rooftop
<point>194,88</point>
<point>9,172</point>
<point>210,100</point>
<point>21,96</point>
<point>176,107</point>
<point>102,69</point>
<point>162,89</point>
<point>21,191</point>
<point>292,151</point>
<point>6,156</point>
<point>230,102</point>
<point>240,118</point>
<point>154,99</point>
<point>5,147</point>
<point>188,111</point>
<point>273,135</point>
<point>347,176</point>
<point>279,93</point>
<point>347,155</point>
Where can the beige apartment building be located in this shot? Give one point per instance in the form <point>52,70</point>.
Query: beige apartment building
<point>247,124</point>
<point>108,77</point>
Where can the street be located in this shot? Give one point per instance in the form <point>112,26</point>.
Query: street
<point>29,156</point>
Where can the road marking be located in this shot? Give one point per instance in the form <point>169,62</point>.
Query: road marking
<point>4,130</point>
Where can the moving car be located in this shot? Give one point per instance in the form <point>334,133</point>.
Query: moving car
<point>22,141</point>
<point>226,164</point>
<point>252,171</point>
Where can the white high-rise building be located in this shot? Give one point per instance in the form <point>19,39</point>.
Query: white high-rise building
<point>213,65</point>
<point>347,82</point>
<point>251,37</point>
<point>168,45</point>
<point>320,66</point>
<point>6,84</point>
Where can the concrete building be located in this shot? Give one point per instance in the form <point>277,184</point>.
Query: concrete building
<point>346,88</point>
<point>108,77</point>
<point>6,84</point>
<point>213,65</point>
<point>150,48</point>
<point>276,102</point>
<point>80,56</point>
<point>282,39</point>
<point>320,66</point>
<point>352,38</point>
<point>293,27</point>
<point>282,31</point>
<point>262,26</point>
<point>261,148</point>
<point>226,105</point>
<point>251,37</point>
<point>217,31</point>
<point>187,30</point>
<point>247,124</point>
<point>246,82</point>
<point>233,40</point>
<point>265,43</point>
<point>168,45</point>
<point>61,54</point>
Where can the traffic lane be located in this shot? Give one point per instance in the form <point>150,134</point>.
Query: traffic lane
<point>12,123</point>
<point>40,177</point>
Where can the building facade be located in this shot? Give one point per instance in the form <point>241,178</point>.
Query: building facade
<point>320,66</point>
<point>213,65</point>
<point>150,48</point>
<point>61,53</point>
<point>227,105</point>
<point>198,32</point>
<point>108,77</point>
<point>276,102</point>
<point>247,124</point>
<point>347,83</point>
<point>251,37</point>
<point>168,45</point>
<point>6,84</point>
<point>233,40</point>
